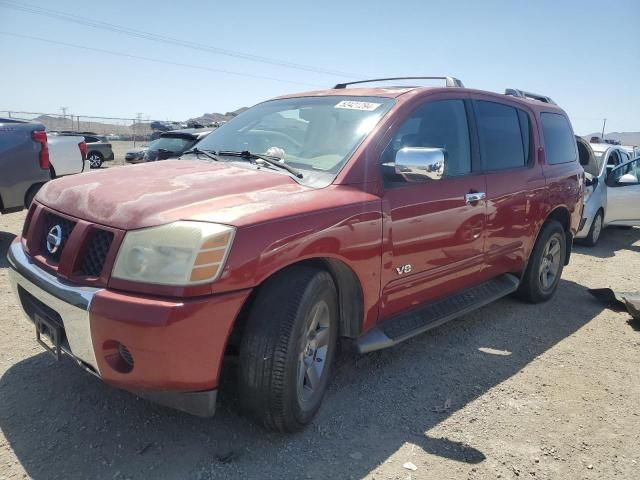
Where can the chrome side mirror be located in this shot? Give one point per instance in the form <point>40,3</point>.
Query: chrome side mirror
<point>420,163</point>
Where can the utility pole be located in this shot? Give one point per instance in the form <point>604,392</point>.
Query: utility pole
<point>604,122</point>
<point>64,114</point>
<point>135,126</point>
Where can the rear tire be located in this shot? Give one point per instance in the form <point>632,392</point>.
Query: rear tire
<point>594,232</point>
<point>545,265</point>
<point>288,347</point>
<point>95,159</point>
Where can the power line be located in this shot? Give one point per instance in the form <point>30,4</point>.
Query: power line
<point>158,60</point>
<point>88,22</point>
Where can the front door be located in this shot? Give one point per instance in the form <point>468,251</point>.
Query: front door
<point>623,194</point>
<point>433,234</point>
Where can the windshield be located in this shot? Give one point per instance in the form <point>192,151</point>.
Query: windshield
<point>172,144</point>
<point>315,135</point>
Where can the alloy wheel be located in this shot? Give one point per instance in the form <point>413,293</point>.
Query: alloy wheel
<point>313,355</point>
<point>550,262</point>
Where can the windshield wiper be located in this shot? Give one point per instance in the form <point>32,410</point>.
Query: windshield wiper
<point>206,153</point>
<point>274,161</point>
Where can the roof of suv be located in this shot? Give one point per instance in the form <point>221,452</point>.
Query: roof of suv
<point>532,100</point>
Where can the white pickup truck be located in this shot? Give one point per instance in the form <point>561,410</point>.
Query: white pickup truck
<point>67,154</point>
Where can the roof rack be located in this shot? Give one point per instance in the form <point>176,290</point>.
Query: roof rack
<point>523,94</point>
<point>449,81</point>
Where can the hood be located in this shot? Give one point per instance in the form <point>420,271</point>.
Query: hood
<point>161,192</point>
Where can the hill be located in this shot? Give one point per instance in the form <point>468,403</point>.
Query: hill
<point>626,138</point>
<point>207,118</point>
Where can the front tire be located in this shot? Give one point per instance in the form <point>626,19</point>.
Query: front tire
<point>288,348</point>
<point>596,229</point>
<point>95,159</point>
<point>545,265</point>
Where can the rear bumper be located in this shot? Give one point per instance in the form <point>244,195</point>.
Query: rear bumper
<point>174,347</point>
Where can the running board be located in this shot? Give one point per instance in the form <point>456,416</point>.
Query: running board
<point>407,325</point>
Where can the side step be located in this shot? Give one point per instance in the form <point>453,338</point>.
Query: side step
<point>431,315</point>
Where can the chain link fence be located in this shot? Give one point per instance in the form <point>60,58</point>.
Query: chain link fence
<point>115,128</point>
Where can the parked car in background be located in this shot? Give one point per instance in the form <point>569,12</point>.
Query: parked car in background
<point>67,154</point>
<point>606,202</point>
<point>632,150</point>
<point>24,163</point>
<point>171,144</point>
<point>136,155</point>
<point>379,214</point>
<point>99,149</point>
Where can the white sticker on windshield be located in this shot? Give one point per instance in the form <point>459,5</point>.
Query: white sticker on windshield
<point>354,105</point>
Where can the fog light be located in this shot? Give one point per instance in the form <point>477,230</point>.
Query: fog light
<point>118,356</point>
<point>125,354</point>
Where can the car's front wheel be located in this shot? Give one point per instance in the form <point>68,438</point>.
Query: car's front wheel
<point>288,347</point>
<point>95,159</point>
<point>596,229</point>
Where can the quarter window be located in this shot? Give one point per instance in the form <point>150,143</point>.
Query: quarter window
<point>559,142</point>
<point>504,135</point>
<point>440,124</point>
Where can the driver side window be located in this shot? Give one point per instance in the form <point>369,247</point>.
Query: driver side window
<point>440,124</point>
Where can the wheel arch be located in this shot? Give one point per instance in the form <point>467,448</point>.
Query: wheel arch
<point>561,215</point>
<point>350,298</point>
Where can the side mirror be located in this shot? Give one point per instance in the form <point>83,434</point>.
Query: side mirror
<point>420,163</point>
<point>627,179</point>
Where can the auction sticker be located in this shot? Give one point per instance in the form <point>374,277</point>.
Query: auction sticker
<point>355,105</point>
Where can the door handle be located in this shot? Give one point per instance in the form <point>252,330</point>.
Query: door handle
<point>474,197</point>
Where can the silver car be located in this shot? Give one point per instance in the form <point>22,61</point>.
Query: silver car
<point>612,193</point>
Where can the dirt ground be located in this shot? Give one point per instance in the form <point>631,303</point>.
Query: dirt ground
<point>547,391</point>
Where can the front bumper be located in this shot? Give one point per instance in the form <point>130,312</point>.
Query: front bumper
<point>175,347</point>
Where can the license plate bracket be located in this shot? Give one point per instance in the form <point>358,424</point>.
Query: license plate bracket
<point>48,330</point>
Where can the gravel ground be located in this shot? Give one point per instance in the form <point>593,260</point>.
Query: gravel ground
<point>511,391</point>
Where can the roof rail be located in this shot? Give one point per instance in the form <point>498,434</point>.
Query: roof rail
<point>449,81</point>
<point>524,94</point>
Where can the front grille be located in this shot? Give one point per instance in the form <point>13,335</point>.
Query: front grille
<point>50,249</point>
<point>96,253</point>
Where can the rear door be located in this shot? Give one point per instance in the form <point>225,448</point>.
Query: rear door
<point>433,236</point>
<point>515,183</point>
<point>623,194</point>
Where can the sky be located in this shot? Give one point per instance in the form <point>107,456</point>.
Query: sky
<point>583,54</point>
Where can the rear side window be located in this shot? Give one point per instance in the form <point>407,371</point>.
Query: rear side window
<point>504,135</point>
<point>559,142</point>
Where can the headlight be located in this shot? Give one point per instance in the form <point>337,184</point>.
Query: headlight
<point>180,253</point>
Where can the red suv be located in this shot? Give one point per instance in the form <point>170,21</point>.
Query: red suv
<point>368,213</point>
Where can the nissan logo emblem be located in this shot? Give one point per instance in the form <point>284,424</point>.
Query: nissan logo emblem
<point>54,239</point>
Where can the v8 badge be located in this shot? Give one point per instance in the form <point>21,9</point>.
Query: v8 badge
<point>402,269</point>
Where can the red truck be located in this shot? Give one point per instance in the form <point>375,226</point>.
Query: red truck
<point>373,214</point>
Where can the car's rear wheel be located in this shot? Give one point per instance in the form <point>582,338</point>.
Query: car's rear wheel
<point>596,229</point>
<point>31,194</point>
<point>288,347</point>
<point>95,159</point>
<point>545,266</point>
